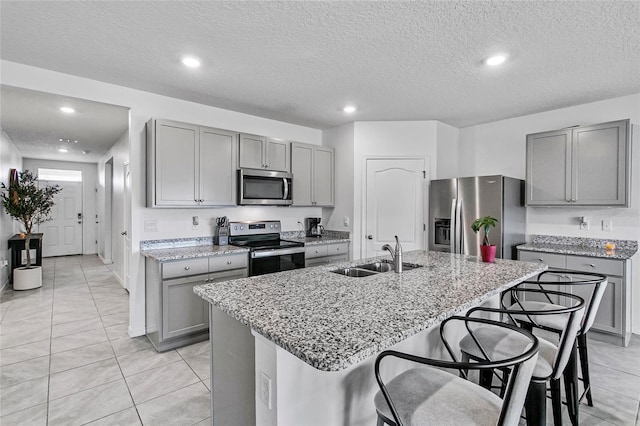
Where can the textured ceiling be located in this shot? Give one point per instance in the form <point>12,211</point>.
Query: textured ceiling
<point>300,62</point>
<point>35,124</point>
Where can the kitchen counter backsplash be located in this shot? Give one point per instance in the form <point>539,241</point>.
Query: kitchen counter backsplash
<point>594,243</point>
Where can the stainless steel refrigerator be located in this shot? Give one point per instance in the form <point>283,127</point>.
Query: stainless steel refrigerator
<point>455,203</point>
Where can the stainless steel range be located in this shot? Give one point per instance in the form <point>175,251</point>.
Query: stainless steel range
<point>267,252</point>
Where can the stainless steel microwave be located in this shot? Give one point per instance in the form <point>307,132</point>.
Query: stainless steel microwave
<point>264,187</point>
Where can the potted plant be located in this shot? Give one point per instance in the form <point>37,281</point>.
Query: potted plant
<point>487,250</point>
<point>30,205</point>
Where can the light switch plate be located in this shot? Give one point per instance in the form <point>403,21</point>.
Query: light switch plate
<point>607,225</point>
<point>264,390</point>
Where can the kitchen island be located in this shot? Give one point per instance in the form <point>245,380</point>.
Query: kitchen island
<point>297,347</point>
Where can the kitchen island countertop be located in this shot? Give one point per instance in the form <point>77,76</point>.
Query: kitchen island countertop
<point>331,321</point>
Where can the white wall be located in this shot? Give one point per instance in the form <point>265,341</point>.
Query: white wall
<point>499,148</point>
<point>89,198</point>
<point>111,212</point>
<point>447,160</point>
<point>388,139</point>
<point>9,159</point>
<point>143,106</point>
<point>341,139</point>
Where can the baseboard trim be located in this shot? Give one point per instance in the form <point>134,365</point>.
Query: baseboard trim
<point>105,261</point>
<point>135,332</point>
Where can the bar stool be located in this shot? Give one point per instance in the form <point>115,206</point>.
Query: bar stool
<point>591,286</point>
<point>552,358</point>
<point>430,395</point>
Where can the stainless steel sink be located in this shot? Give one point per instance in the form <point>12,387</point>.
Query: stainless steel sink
<point>374,268</point>
<point>354,272</point>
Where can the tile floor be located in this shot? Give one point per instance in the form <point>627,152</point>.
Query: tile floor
<point>66,358</point>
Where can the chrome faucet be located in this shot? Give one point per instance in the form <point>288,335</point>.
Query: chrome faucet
<point>396,255</point>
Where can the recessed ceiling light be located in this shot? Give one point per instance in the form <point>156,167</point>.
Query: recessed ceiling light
<point>62,150</point>
<point>349,109</point>
<point>191,62</point>
<point>68,110</point>
<point>495,60</point>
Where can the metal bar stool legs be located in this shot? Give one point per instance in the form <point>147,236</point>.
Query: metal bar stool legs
<point>584,366</point>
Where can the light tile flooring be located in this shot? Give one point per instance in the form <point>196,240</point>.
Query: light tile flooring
<point>66,358</point>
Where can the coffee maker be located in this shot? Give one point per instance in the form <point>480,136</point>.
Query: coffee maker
<point>312,227</point>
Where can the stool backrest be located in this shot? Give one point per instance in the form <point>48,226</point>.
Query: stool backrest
<point>522,364</point>
<point>591,283</point>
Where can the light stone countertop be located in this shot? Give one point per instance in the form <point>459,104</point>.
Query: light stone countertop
<point>580,246</point>
<point>331,321</point>
<point>190,252</point>
<point>313,241</point>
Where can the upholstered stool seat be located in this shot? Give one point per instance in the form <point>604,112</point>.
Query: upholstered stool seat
<point>429,396</point>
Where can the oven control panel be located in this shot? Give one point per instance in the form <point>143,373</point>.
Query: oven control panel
<point>254,227</point>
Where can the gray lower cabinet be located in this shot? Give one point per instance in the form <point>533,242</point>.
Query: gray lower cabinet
<point>320,254</point>
<point>175,315</point>
<point>581,166</point>
<point>613,320</point>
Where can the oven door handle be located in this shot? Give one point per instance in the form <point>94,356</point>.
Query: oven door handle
<point>286,188</point>
<point>275,252</point>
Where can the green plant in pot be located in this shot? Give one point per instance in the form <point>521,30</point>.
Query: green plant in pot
<point>30,205</point>
<point>487,250</point>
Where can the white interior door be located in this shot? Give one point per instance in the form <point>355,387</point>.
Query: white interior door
<point>394,204</point>
<point>127,224</point>
<point>63,234</point>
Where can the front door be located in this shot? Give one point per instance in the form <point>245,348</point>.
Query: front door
<point>394,204</point>
<point>63,233</point>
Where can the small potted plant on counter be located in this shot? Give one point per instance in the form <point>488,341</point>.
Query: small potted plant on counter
<point>487,251</point>
<point>30,205</point>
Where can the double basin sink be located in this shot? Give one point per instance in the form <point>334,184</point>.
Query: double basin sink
<point>374,268</point>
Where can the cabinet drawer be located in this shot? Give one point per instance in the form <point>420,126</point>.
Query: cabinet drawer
<point>318,250</point>
<point>594,264</point>
<point>183,268</point>
<point>551,259</point>
<point>234,261</point>
<point>337,249</point>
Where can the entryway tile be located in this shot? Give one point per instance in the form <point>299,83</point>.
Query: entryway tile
<point>81,378</point>
<point>33,416</point>
<point>21,372</point>
<point>78,340</point>
<point>74,327</point>
<point>145,360</point>
<point>81,356</point>
<point>128,417</point>
<point>89,405</point>
<point>185,406</point>
<point>24,352</point>
<point>24,395</point>
<point>160,381</point>
<point>127,346</point>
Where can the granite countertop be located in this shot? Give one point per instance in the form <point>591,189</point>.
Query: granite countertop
<point>328,237</point>
<point>190,252</point>
<point>578,246</point>
<point>331,321</point>
<point>312,241</point>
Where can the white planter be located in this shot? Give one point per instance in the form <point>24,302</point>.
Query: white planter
<point>27,278</point>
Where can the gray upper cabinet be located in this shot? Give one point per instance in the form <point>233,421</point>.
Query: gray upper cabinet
<point>313,171</point>
<point>587,165</point>
<point>260,152</point>
<point>189,165</point>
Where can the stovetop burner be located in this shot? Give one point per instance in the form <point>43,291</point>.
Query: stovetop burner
<point>259,236</point>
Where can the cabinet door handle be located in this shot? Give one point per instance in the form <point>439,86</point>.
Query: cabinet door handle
<point>186,268</point>
<point>540,259</point>
<point>592,265</point>
<point>228,262</point>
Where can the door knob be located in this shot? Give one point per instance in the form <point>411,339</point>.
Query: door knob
<point>369,237</point>
<point>123,233</point>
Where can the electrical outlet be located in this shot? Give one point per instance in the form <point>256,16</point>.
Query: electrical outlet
<point>584,226</point>
<point>195,221</point>
<point>264,389</point>
<point>150,226</point>
<point>607,225</point>
<point>346,221</point>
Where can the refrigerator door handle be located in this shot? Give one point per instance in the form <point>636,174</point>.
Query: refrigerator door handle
<point>459,232</point>
<point>453,237</point>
